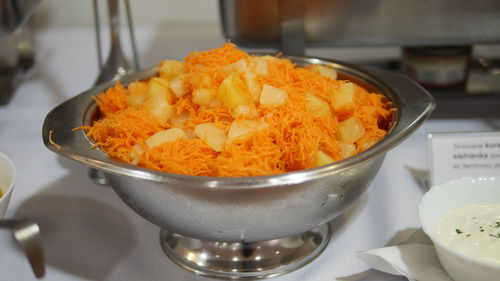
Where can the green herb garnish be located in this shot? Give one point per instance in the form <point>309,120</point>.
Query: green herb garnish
<point>495,235</point>
<point>458,231</point>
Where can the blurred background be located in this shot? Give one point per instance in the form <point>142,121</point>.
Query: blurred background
<point>450,47</point>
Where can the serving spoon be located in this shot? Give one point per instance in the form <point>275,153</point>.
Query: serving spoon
<point>27,234</point>
<point>116,65</point>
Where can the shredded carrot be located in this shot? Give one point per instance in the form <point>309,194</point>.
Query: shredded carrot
<point>112,100</point>
<point>289,140</point>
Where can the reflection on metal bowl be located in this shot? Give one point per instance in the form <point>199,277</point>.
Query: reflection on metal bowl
<point>244,227</point>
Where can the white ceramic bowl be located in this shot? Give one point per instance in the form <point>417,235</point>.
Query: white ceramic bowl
<point>7,178</point>
<point>442,198</point>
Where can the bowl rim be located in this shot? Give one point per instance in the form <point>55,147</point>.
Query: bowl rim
<point>81,106</point>
<point>431,233</point>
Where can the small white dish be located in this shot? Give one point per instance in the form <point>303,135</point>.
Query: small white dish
<point>7,179</point>
<point>441,199</point>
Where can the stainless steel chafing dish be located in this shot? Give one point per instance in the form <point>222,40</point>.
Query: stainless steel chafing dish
<point>293,25</point>
<point>243,227</point>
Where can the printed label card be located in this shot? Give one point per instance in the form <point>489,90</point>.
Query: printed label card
<point>457,155</point>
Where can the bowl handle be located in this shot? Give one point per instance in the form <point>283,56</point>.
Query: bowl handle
<point>59,133</point>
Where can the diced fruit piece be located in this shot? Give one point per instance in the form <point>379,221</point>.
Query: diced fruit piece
<point>317,106</point>
<point>199,79</point>
<point>324,71</point>
<point>135,154</point>
<point>368,143</point>
<point>169,135</point>
<point>252,85</point>
<point>343,98</point>
<point>350,130</point>
<point>237,66</point>
<point>211,135</point>
<point>241,128</point>
<point>322,159</point>
<point>169,69</point>
<point>346,149</point>
<point>158,88</point>
<point>260,67</point>
<point>158,100</point>
<point>135,100</point>
<point>159,108</point>
<point>272,97</point>
<point>244,111</point>
<point>179,120</point>
<point>215,103</point>
<point>177,86</point>
<point>269,58</point>
<point>136,93</point>
<point>231,92</point>
<point>202,96</point>
<point>137,87</point>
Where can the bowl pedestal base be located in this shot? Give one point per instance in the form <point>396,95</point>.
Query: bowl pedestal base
<point>229,260</point>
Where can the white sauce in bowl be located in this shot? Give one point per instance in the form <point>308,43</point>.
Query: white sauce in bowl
<point>473,230</point>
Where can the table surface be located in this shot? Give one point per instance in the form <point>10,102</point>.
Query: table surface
<point>90,234</point>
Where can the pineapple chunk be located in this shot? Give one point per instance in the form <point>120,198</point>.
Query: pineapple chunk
<point>202,96</point>
<point>269,58</point>
<point>169,135</point>
<point>136,93</point>
<point>158,88</point>
<point>343,99</point>
<point>368,143</point>
<point>135,154</point>
<point>135,100</point>
<point>238,66</point>
<point>215,103</point>
<point>324,71</point>
<point>272,97</point>
<point>322,159</point>
<point>260,67</point>
<point>169,69</point>
<point>346,150</point>
<point>231,92</point>
<point>350,130</point>
<point>179,119</point>
<point>177,86</point>
<point>240,128</point>
<point>137,87</point>
<point>317,106</point>
<point>211,135</point>
<point>159,107</point>
<point>244,111</point>
<point>159,100</point>
<point>253,86</point>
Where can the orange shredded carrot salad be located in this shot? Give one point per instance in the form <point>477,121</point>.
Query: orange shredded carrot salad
<point>223,112</point>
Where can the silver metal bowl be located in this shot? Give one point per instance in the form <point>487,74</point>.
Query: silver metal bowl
<point>245,226</point>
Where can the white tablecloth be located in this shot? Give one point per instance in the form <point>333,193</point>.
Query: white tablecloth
<point>90,234</point>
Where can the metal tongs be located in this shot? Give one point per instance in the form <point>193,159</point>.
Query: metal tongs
<point>116,65</point>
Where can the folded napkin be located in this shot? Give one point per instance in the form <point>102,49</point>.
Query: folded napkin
<point>415,258</point>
